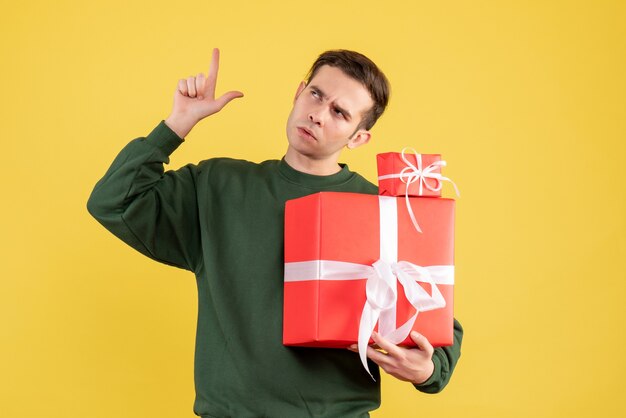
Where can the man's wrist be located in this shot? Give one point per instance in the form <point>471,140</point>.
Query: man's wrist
<point>180,125</point>
<point>426,375</point>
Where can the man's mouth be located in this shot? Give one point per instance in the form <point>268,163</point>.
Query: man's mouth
<point>306,132</point>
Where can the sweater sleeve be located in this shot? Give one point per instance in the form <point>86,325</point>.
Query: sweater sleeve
<point>153,211</point>
<point>445,359</point>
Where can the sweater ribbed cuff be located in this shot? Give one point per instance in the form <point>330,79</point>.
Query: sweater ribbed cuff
<point>164,138</point>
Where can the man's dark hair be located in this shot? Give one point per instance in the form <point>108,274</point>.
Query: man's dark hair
<point>363,70</point>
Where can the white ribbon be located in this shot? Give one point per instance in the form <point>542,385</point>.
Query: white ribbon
<point>381,285</point>
<point>380,291</point>
<point>410,174</point>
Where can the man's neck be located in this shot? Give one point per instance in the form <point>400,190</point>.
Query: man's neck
<point>306,165</point>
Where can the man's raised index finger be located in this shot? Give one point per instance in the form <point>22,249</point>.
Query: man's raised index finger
<point>213,68</point>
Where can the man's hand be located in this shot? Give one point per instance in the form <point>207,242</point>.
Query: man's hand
<point>413,365</point>
<point>194,99</point>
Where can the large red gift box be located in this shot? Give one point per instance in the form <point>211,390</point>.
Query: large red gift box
<point>324,310</point>
<point>412,174</point>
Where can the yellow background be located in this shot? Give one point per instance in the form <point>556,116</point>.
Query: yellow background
<point>525,100</point>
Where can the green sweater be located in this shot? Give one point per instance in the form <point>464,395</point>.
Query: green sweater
<point>223,220</point>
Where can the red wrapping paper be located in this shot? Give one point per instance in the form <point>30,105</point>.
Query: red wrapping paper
<point>392,163</point>
<point>345,227</point>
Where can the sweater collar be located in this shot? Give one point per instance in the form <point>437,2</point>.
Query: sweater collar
<point>312,180</point>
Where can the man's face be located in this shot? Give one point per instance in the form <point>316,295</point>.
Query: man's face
<point>325,115</point>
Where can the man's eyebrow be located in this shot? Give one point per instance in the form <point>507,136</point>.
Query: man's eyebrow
<point>318,90</point>
<point>323,95</point>
<point>346,114</point>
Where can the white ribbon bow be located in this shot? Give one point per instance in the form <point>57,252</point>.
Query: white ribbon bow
<point>382,298</point>
<point>410,174</point>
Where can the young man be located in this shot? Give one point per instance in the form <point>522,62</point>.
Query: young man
<point>223,220</point>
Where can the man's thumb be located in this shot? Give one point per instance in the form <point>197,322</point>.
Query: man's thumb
<point>227,97</point>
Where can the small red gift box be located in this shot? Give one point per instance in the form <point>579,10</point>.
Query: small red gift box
<point>419,173</point>
<point>337,247</point>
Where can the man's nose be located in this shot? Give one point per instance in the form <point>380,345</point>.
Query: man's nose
<point>317,117</point>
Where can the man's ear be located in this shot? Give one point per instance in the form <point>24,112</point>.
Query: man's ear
<point>300,88</point>
<point>361,137</point>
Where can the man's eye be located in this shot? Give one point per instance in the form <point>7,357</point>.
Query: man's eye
<point>314,93</point>
<point>338,112</point>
